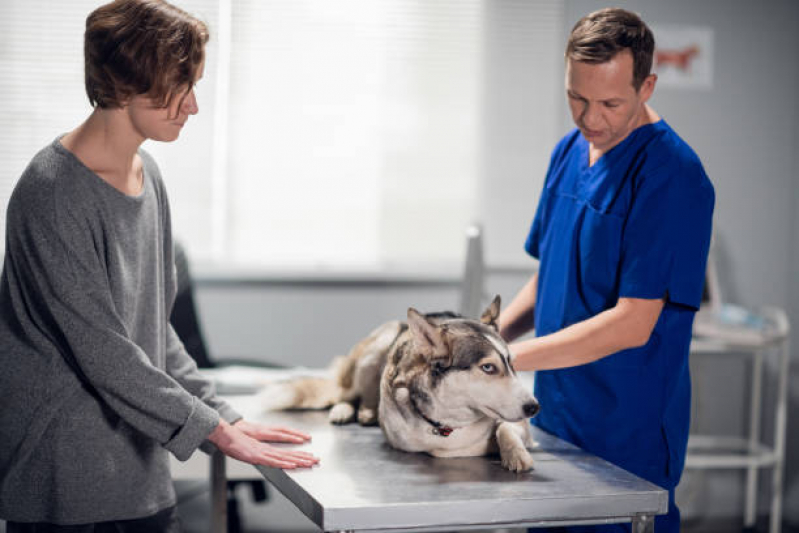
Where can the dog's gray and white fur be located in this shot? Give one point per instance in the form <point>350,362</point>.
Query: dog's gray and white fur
<point>438,383</point>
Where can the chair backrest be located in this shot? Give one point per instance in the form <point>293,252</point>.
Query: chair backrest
<point>184,313</point>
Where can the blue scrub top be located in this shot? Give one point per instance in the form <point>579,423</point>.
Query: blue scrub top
<point>635,224</point>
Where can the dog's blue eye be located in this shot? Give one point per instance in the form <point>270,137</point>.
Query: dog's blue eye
<point>489,368</point>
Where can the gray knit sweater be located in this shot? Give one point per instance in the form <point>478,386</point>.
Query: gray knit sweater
<point>95,387</point>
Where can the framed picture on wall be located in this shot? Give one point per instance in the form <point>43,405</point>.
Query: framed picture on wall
<point>684,56</point>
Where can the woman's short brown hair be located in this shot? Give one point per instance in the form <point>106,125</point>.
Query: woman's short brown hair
<point>134,47</point>
<point>598,37</point>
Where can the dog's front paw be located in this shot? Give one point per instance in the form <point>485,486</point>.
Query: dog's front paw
<point>367,417</point>
<point>342,413</point>
<point>517,460</point>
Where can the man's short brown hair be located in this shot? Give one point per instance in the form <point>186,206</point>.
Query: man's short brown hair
<point>598,37</point>
<point>141,47</point>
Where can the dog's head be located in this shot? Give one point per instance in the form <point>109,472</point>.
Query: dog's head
<point>469,365</point>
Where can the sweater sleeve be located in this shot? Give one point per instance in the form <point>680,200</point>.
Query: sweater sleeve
<point>66,293</point>
<point>181,366</point>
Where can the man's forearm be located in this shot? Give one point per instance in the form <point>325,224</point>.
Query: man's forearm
<point>627,325</point>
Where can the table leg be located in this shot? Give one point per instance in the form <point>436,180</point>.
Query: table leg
<point>218,493</point>
<point>643,523</point>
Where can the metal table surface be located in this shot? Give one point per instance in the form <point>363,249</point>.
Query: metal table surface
<point>362,484</point>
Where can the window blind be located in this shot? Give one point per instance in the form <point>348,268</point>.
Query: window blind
<point>331,133</point>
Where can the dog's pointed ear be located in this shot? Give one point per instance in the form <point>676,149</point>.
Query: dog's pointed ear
<point>428,338</point>
<point>491,314</point>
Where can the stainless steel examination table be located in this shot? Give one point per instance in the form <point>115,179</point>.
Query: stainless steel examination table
<point>362,484</point>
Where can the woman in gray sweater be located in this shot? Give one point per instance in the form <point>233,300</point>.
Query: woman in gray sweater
<point>96,387</point>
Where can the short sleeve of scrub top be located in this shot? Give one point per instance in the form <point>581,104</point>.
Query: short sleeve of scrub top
<point>664,243</point>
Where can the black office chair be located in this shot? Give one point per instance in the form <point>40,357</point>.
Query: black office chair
<point>186,322</point>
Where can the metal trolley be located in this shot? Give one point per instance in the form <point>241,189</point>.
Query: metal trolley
<point>750,453</point>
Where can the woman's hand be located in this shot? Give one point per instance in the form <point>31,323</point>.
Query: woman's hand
<point>272,433</point>
<point>235,442</point>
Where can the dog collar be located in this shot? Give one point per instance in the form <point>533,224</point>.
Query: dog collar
<point>438,428</point>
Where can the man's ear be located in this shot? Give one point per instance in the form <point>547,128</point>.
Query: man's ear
<point>648,87</point>
<point>428,338</point>
<point>491,313</point>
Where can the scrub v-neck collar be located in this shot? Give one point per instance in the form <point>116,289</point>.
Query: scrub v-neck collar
<point>614,153</point>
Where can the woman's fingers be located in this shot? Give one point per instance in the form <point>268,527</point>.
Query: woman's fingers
<point>273,433</point>
<point>292,432</point>
<point>278,436</point>
<point>276,462</point>
<point>292,457</point>
<point>304,458</point>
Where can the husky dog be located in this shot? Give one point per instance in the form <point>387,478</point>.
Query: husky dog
<point>438,383</point>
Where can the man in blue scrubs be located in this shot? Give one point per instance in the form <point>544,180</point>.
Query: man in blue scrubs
<point>622,233</point>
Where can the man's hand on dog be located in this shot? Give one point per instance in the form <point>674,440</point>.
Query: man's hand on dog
<point>244,441</point>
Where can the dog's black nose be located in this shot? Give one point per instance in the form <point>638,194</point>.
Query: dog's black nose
<point>531,409</point>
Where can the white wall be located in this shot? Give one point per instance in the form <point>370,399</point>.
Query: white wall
<point>306,324</point>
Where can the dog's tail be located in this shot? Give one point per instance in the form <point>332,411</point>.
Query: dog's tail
<point>305,392</point>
